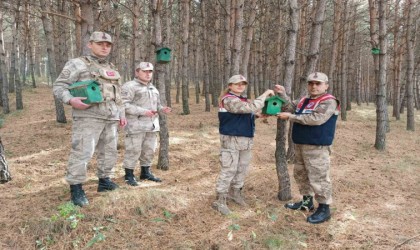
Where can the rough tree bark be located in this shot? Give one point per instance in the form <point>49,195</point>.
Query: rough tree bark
<point>381,107</point>
<point>237,41</point>
<point>59,107</point>
<point>313,51</point>
<point>410,37</point>
<point>3,71</point>
<point>284,192</point>
<point>185,39</point>
<point>159,74</point>
<point>5,175</point>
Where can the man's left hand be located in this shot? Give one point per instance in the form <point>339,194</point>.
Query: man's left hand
<point>166,110</point>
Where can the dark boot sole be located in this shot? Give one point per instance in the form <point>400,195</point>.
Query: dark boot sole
<point>134,184</point>
<point>106,189</point>
<point>150,179</point>
<point>318,222</point>
<point>299,208</point>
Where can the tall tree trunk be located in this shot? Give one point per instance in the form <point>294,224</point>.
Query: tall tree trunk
<point>237,41</point>
<point>169,75</point>
<point>31,65</point>
<point>344,58</point>
<point>397,65</point>
<point>135,42</point>
<point>185,39</point>
<point>334,52</point>
<point>3,72</point>
<point>381,107</point>
<point>59,107</point>
<point>23,55</point>
<point>410,37</point>
<point>206,68</point>
<point>87,15</point>
<point>248,41</point>
<point>227,44</point>
<point>218,79</point>
<point>313,52</point>
<point>196,60</point>
<point>13,73</point>
<point>359,79</point>
<point>284,192</point>
<point>163,161</point>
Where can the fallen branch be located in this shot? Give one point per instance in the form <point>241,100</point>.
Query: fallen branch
<point>407,240</point>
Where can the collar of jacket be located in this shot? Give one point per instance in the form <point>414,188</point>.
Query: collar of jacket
<point>97,59</point>
<point>143,83</point>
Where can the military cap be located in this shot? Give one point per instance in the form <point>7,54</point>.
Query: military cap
<point>145,66</point>
<point>237,78</point>
<point>99,36</point>
<point>317,77</point>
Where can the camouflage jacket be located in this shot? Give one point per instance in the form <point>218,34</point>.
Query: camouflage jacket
<point>320,115</point>
<point>91,68</point>
<point>235,105</point>
<point>137,99</point>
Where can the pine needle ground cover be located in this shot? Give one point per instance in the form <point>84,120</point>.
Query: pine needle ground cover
<point>375,193</point>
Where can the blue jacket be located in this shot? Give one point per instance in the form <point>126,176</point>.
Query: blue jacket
<point>235,124</point>
<point>323,134</point>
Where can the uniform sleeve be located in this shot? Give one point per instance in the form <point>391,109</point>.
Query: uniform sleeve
<point>158,104</point>
<point>235,105</point>
<point>121,106</point>
<point>127,96</point>
<point>321,114</point>
<point>68,76</point>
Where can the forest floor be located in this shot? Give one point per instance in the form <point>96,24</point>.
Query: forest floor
<point>376,194</point>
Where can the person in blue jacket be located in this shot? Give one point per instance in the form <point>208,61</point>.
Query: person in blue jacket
<point>314,120</point>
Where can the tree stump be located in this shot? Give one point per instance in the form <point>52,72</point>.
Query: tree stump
<point>4,167</point>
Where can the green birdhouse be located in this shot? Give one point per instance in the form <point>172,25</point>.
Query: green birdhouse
<point>376,51</point>
<point>272,105</point>
<point>163,55</point>
<point>89,89</point>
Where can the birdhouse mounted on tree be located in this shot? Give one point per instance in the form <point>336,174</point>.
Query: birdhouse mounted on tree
<point>272,105</point>
<point>376,51</point>
<point>163,55</point>
<point>89,89</point>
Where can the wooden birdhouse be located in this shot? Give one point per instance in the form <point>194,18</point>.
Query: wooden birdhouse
<point>89,89</point>
<point>163,55</point>
<point>272,105</point>
<point>376,51</point>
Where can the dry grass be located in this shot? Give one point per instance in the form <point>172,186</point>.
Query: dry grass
<point>375,193</point>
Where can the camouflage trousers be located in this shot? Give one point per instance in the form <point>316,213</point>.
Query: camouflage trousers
<point>312,171</point>
<point>88,135</point>
<point>139,147</point>
<point>235,156</point>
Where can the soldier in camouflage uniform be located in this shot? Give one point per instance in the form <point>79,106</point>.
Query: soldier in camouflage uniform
<point>94,125</point>
<point>142,106</point>
<point>236,128</point>
<point>314,122</point>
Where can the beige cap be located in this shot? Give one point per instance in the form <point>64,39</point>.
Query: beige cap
<point>237,78</point>
<point>317,77</point>
<point>145,66</point>
<point>99,36</point>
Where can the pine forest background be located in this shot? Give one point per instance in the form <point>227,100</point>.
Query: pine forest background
<point>368,49</point>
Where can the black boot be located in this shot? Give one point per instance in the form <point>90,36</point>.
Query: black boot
<point>105,184</point>
<point>305,204</point>
<point>78,196</point>
<point>129,177</point>
<point>146,174</point>
<point>321,214</point>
